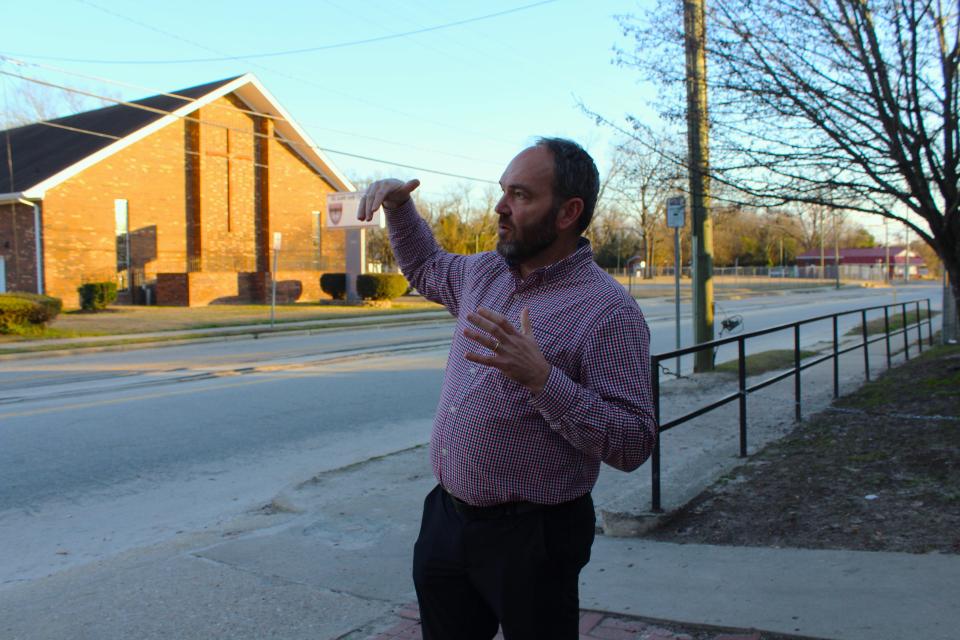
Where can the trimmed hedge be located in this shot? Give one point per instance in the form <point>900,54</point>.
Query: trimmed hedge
<point>381,286</point>
<point>45,308</point>
<point>334,285</point>
<point>21,310</point>
<point>15,312</point>
<point>95,296</point>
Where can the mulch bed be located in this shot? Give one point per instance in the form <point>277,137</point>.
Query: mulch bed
<point>879,471</point>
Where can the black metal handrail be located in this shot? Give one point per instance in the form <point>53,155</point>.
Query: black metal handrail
<point>743,390</point>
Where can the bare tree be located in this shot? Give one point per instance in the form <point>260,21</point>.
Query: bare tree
<point>643,172</point>
<point>847,104</point>
<point>27,102</point>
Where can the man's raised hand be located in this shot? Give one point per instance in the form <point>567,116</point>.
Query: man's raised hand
<point>391,193</point>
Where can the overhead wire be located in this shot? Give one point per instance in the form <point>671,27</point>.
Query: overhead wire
<point>276,118</point>
<point>251,112</point>
<point>326,88</point>
<point>497,47</point>
<point>188,118</point>
<point>287,52</point>
<point>364,19</point>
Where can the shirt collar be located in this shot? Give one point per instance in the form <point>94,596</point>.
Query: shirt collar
<point>561,268</point>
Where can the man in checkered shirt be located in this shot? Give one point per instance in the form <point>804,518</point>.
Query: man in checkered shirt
<point>548,376</point>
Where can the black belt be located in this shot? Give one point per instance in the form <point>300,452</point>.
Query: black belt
<point>505,510</point>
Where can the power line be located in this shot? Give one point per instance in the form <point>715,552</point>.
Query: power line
<point>288,52</point>
<point>232,108</point>
<point>376,105</point>
<point>225,127</point>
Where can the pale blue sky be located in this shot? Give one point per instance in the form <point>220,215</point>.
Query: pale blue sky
<point>461,99</point>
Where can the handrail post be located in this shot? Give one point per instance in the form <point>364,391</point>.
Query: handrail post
<point>866,344</point>
<point>796,365</point>
<point>655,457</point>
<point>836,360</point>
<point>919,329</point>
<point>906,334</point>
<point>929,323</point>
<point>742,374</point>
<point>886,333</point>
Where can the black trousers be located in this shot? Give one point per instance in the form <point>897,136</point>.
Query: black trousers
<point>519,571</point>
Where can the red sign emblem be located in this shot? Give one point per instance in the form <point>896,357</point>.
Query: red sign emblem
<point>335,210</point>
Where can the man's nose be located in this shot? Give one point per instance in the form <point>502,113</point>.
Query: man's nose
<point>502,207</point>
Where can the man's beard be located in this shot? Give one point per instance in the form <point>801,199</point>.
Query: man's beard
<point>530,241</point>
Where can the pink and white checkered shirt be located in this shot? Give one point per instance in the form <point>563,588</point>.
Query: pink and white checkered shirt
<point>492,441</point>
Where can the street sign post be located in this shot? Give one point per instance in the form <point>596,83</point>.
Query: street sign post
<point>277,241</point>
<point>676,214</point>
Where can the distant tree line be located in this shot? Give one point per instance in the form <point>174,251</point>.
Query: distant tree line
<point>630,223</point>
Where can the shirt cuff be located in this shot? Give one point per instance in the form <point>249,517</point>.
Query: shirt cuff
<point>556,398</point>
<point>403,216</point>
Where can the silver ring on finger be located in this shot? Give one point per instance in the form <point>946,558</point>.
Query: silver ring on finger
<point>496,346</point>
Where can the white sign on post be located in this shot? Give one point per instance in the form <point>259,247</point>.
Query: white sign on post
<point>676,210</point>
<point>342,212</point>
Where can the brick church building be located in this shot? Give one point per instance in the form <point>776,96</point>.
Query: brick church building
<point>177,197</point>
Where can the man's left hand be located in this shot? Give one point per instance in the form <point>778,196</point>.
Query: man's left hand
<point>515,353</point>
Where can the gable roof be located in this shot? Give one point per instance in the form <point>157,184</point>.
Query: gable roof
<point>45,154</point>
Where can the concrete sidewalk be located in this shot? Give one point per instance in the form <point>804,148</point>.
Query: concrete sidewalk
<point>330,558</point>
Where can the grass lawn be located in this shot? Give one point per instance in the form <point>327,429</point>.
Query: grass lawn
<point>876,325</point>
<point>765,361</point>
<point>120,320</point>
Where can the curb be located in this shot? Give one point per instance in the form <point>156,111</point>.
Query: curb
<point>131,342</point>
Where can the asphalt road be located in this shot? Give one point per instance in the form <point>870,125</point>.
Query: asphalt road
<point>106,451</point>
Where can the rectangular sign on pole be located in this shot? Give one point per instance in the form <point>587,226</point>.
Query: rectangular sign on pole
<point>342,212</point>
<point>676,214</point>
<point>676,210</point>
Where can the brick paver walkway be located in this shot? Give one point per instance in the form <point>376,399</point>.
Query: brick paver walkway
<point>594,625</point>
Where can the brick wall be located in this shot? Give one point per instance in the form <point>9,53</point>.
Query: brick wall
<point>218,196</point>
<point>79,223</point>
<point>199,288</point>
<point>202,288</point>
<point>18,247</point>
<point>293,199</point>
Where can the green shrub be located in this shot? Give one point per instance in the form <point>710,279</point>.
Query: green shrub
<point>334,285</point>
<point>381,286</point>
<point>46,308</point>
<point>95,296</point>
<point>15,312</point>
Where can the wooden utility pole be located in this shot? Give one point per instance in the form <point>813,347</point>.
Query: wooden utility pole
<point>695,31</point>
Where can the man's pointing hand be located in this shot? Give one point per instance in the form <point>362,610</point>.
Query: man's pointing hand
<point>391,193</point>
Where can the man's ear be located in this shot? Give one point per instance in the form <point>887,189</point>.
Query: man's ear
<point>569,214</point>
